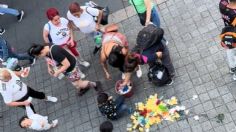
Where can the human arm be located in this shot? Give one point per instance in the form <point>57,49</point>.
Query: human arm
<point>159,54</point>
<point>104,64</point>
<point>148,5</point>
<point>46,33</point>
<point>23,103</point>
<point>127,79</point>
<point>99,18</point>
<point>65,65</point>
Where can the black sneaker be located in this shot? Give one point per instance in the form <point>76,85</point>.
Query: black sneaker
<point>98,87</point>
<point>96,49</point>
<point>2,31</point>
<point>170,82</point>
<point>20,16</point>
<point>32,62</point>
<point>83,91</point>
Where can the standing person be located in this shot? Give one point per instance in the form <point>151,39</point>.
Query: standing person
<point>65,63</point>
<point>5,10</point>
<point>36,122</point>
<point>57,31</point>
<point>7,52</point>
<point>228,11</point>
<point>147,12</point>
<point>82,17</point>
<point>114,49</point>
<point>15,92</point>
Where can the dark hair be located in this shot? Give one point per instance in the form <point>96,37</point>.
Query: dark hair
<point>22,119</point>
<point>102,98</point>
<point>131,62</point>
<point>106,127</point>
<point>35,50</point>
<point>51,13</point>
<point>74,7</point>
<point>232,0</point>
<point>116,58</point>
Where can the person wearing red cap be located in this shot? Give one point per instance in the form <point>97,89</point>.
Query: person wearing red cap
<point>57,31</point>
<point>82,17</point>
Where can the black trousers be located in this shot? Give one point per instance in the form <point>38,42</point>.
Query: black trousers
<point>34,94</point>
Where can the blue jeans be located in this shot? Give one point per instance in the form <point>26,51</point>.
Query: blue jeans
<point>9,11</point>
<point>156,20</point>
<point>155,17</point>
<point>121,107</point>
<point>6,52</point>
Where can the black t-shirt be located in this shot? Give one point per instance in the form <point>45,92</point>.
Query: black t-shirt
<point>59,54</point>
<point>228,14</point>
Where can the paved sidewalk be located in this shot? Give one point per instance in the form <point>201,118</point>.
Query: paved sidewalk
<point>191,27</point>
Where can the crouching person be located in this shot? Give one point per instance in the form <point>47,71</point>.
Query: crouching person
<point>110,108</point>
<point>65,64</point>
<point>35,121</point>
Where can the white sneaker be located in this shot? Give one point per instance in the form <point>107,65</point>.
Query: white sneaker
<point>82,75</point>
<point>167,42</point>
<point>123,76</point>
<point>84,63</point>
<point>54,123</point>
<point>52,99</point>
<point>3,6</point>
<point>139,72</point>
<point>234,77</point>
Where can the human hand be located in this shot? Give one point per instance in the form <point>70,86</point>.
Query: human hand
<point>108,76</point>
<point>97,27</point>
<point>71,43</point>
<point>50,71</point>
<point>56,74</point>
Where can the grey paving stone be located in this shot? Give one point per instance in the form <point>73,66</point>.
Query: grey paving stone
<point>213,93</point>
<point>231,106</point>
<point>230,126</point>
<point>228,97</point>
<point>217,101</point>
<point>204,97</point>
<point>208,105</point>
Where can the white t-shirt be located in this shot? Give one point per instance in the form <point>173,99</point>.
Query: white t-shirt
<point>14,89</point>
<point>60,35</point>
<point>39,122</point>
<point>85,22</point>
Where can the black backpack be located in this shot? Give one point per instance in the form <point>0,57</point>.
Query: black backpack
<point>148,36</point>
<point>158,74</point>
<point>228,37</point>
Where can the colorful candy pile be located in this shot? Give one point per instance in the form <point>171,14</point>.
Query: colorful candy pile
<point>154,112</point>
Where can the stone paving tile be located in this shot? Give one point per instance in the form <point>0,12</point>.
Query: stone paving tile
<point>192,28</point>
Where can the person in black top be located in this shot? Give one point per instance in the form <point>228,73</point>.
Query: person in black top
<point>228,11</point>
<point>62,62</point>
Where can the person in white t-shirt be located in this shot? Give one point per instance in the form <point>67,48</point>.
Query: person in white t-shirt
<point>82,17</point>
<point>35,121</point>
<point>57,31</point>
<point>15,92</point>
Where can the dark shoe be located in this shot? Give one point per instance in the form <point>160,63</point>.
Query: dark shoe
<point>20,16</point>
<point>170,82</point>
<point>32,62</point>
<point>96,49</point>
<point>83,91</point>
<point>2,31</point>
<point>98,87</point>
